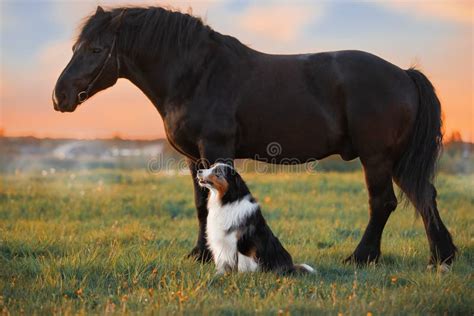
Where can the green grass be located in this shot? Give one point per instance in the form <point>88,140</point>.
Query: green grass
<point>116,241</point>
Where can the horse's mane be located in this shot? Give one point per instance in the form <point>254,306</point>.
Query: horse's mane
<point>151,30</point>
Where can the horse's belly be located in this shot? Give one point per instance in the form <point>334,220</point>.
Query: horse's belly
<point>278,153</point>
<point>307,136</point>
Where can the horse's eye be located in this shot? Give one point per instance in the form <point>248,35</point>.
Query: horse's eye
<point>96,50</point>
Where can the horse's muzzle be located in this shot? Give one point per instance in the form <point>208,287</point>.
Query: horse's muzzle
<point>61,102</point>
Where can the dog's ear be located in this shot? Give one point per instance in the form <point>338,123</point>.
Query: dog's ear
<point>239,183</point>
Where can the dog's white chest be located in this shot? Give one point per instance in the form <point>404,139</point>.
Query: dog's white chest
<point>223,245</point>
<point>221,241</point>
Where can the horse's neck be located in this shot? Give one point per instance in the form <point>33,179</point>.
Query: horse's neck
<point>144,81</point>
<point>173,82</point>
<point>159,81</point>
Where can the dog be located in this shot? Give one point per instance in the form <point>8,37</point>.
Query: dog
<point>237,234</point>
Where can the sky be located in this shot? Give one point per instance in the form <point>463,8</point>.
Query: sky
<point>37,36</point>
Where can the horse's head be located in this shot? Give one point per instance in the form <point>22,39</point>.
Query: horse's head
<point>94,65</point>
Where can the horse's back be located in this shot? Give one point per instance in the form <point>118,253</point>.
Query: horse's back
<point>319,104</point>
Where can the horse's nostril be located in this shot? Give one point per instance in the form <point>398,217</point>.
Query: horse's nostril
<point>58,97</point>
<point>62,96</point>
<point>59,100</point>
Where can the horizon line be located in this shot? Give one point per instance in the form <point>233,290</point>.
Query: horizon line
<point>85,138</point>
<point>148,139</point>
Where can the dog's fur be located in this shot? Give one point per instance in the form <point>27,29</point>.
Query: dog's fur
<point>237,234</point>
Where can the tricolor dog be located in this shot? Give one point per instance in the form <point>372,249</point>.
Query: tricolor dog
<point>237,234</point>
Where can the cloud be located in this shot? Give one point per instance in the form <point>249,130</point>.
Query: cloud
<point>276,20</point>
<point>282,22</point>
<point>457,11</point>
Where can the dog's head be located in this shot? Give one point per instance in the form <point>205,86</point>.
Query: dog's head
<point>223,180</point>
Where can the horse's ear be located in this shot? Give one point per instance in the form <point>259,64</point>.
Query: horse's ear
<point>117,21</point>
<point>99,10</point>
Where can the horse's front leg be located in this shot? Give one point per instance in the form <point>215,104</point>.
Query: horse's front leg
<point>200,252</point>
<point>210,155</point>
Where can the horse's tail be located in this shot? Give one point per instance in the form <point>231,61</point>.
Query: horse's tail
<point>415,170</point>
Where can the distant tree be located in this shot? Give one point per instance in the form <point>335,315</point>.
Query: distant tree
<point>117,136</point>
<point>455,137</point>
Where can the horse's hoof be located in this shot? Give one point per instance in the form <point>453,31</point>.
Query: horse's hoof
<point>362,260</point>
<point>199,254</point>
<point>442,263</point>
<point>442,268</point>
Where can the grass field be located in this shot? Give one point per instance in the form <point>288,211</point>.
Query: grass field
<point>116,242</point>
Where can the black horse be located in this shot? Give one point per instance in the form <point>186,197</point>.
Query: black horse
<point>220,99</point>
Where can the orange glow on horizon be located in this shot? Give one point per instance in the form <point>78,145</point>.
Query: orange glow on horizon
<point>123,110</point>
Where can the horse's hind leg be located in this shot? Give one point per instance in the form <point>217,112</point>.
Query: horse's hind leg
<point>382,201</point>
<point>441,244</point>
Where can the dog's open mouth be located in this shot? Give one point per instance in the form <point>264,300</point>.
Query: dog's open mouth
<point>204,182</point>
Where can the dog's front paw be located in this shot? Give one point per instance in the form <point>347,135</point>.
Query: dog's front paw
<point>220,272</point>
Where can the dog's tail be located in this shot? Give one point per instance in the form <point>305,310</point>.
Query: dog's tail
<point>303,268</point>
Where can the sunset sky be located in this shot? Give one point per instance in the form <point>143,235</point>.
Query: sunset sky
<point>37,35</point>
